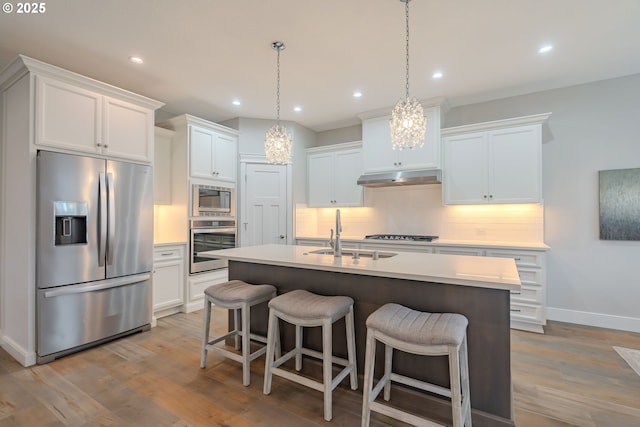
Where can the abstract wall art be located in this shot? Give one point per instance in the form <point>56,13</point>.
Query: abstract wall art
<point>620,204</point>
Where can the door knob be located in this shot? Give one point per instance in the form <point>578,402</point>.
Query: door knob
<point>282,236</point>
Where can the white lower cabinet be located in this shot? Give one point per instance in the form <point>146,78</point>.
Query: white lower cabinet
<point>168,279</point>
<point>198,283</point>
<point>528,305</point>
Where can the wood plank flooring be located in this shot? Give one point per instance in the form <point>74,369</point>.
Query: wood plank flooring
<point>570,376</point>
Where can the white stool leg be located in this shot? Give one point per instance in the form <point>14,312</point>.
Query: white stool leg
<point>327,364</point>
<point>272,330</point>
<point>454,378</point>
<point>351,348</point>
<point>464,374</point>
<point>246,344</point>
<point>205,333</point>
<point>388,363</point>
<point>299,335</point>
<point>369,364</point>
<point>236,325</point>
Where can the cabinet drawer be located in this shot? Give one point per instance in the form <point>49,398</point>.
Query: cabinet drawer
<point>522,258</point>
<point>531,276</point>
<point>167,253</point>
<point>395,248</point>
<point>459,251</point>
<point>526,312</point>
<point>528,294</point>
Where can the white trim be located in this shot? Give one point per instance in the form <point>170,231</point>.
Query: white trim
<point>600,320</point>
<point>23,357</point>
<point>516,121</point>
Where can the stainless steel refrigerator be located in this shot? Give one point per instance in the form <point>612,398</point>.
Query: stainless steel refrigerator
<point>93,251</point>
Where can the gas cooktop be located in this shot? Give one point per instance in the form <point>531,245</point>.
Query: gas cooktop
<point>408,237</point>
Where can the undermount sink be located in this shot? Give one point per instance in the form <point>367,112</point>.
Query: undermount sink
<point>356,252</point>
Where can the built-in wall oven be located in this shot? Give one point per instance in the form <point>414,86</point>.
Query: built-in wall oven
<point>209,235</point>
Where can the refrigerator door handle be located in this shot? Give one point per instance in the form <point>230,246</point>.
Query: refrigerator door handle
<point>102,219</point>
<point>111,219</point>
<point>97,286</point>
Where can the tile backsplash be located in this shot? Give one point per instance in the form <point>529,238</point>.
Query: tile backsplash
<point>418,210</point>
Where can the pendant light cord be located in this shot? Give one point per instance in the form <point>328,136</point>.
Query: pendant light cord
<point>278,89</point>
<point>406,10</point>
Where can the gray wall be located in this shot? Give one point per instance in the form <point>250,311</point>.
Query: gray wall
<point>251,141</point>
<point>593,127</point>
<point>338,136</point>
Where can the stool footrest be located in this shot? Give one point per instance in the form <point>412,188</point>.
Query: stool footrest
<point>401,415</point>
<point>235,356</point>
<point>422,385</point>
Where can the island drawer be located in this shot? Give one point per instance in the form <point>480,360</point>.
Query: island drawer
<point>459,251</point>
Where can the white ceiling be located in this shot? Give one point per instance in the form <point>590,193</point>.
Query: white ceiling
<point>202,54</point>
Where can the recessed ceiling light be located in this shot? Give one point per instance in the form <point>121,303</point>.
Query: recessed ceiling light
<point>136,59</point>
<point>235,102</point>
<point>297,109</point>
<point>357,94</point>
<point>437,75</point>
<point>545,48</point>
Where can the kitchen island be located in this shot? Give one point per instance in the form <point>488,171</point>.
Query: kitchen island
<point>475,287</point>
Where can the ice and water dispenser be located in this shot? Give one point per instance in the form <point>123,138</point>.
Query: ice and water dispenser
<point>70,223</point>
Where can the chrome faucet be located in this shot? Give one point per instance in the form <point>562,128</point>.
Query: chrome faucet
<point>337,246</point>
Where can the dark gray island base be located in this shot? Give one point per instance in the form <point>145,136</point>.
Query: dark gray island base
<point>488,332</point>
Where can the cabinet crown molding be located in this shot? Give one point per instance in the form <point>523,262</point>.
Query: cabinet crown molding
<point>187,119</point>
<point>23,64</point>
<point>440,102</point>
<point>516,121</point>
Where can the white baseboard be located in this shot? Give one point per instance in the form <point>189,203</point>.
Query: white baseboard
<point>631,324</point>
<point>25,358</point>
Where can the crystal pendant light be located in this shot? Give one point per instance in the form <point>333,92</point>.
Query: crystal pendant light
<point>277,144</point>
<point>407,118</point>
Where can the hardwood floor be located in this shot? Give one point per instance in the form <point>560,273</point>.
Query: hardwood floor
<point>571,376</point>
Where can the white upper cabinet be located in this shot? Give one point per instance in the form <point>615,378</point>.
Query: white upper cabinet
<point>378,156</point>
<point>332,175</point>
<point>127,130</point>
<point>68,117</point>
<point>497,162</point>
<point>76,117</point>
<point>213,155</point>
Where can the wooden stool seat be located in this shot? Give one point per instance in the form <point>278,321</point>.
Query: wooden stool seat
<point>305,309</point>
<point>421,333</point>
<point>238,296</point>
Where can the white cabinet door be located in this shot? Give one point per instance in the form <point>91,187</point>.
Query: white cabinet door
<point>465,169</point>
<point>225,158</point>
<point>496,166</point>
<point>347,167</point>
<point>67,116</point>
<point>127,130</point>
<point>168,278</point>
<point>515,165</point>
<point>213,156</point>
<point>332,176</point>
<point>320,179</point>
<point>378,156</point>
<point>202,142</point>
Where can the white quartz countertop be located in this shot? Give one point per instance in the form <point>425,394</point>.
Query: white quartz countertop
<point>485,272</point>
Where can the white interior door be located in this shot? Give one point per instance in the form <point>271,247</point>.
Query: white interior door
<point>264,218</point>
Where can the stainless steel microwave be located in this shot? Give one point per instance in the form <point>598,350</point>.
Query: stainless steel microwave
<point>213,201</point>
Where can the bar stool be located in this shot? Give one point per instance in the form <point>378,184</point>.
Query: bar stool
<point>427,334</point>
<point>238,296</point>
<point>305,309</point>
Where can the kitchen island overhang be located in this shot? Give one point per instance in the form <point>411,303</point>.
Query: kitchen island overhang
<point>426,282</point>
